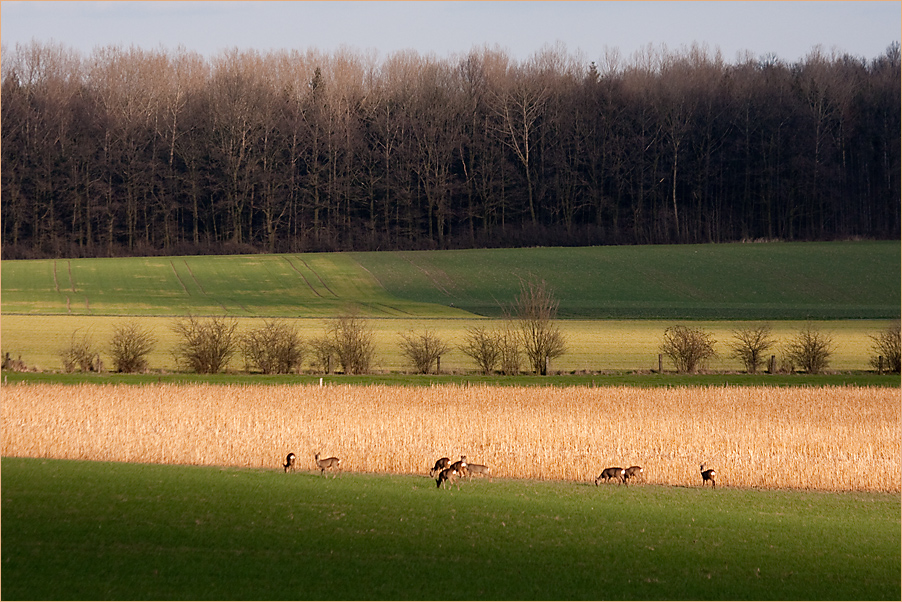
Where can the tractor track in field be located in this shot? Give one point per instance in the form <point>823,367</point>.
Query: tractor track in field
<point>429,274</point>
<point>318,277</point>
<point>301,274</point>
<point>179,278</point>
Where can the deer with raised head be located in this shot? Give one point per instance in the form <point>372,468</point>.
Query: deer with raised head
<point>633,472</point>
<point>461,466</point>
<point>290,462</point>
<point>708,475</point>
<point>448,475</point>
<point>327,464</point>
<point>440,465</point>
<point>615,472</point>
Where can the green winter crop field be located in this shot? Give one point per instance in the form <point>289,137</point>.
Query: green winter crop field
<point>773,281</point>
<point>94,530</point>
<point>615,302</point>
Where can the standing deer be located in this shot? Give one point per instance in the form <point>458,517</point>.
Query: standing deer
<point>329,463</point>
<point>631,472</point>
<point>290,462</point>
<point>480,469</point>
<point>461,466</point>
<point>607,474</point>
<point>708,475</point>
<point>447,476</point>
<point>440,465</point>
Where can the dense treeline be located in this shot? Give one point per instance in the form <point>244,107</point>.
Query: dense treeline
<point>140,152</point>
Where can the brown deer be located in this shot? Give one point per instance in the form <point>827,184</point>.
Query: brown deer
<point>708,475</point>
<point>329,463</point>
<point>290,462</point>
<point>448,475</point>
<point>632,472</point>
<point>461,466</point>
<point>480,469</point>
<point>440,465</point>
<point>607,474</point>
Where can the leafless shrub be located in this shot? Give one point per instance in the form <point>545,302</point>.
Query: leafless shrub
<point>810,350</point>
<point>423,350</point>
<point>750,345</point>
<point>509,349</point>
<point>80,354</point>
<point>887,345</point>
<point>535,310</point>
<point>483,347</point>
<point>688,348</point>
<point>322,352</point>
<point>274,348</point>
<point>352,340</point>
<point>130,346</point>
<point>206,345</point>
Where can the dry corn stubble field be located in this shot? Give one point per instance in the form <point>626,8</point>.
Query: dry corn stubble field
<point>827,438</point>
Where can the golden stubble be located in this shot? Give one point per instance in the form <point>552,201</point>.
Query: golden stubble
<point>827,438</point>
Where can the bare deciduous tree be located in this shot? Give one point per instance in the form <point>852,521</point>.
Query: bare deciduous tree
<point>535,310</point>
<point>352,341</point>
<point>688,348</point>
<point>423,350</point>
<point>274,348</point>
<point>80,354</point>
<point>887,345</point>
<point>810,350</point>
<point>130,346</point>
<point>206,346</point>
<point>750,344</point>
<point>483,347</point>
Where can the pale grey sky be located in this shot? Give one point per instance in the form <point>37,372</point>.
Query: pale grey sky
<point>787,29</point>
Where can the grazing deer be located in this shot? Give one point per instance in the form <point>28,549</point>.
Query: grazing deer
<point>708,475</point>
<point>440,465</point>
<point>290,462</point>
<point>448,475</point>
<point>328,463</point>
<point>461,466</point>
<point>632,471</point>
<point>607,474</point>
<point>480,469</point>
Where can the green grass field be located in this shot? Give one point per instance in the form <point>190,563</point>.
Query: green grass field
<point>85,530</point>
<point>645,288</point>
<point>775,281</point>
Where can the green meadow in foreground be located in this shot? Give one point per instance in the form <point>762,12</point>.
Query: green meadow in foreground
<point>85,530</point>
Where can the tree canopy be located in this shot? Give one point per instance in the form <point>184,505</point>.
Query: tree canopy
<point>131,151</point>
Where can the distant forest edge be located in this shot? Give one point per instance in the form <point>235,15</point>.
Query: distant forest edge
<point>135,152</point>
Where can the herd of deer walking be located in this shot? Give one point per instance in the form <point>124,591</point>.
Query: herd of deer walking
<point>448,472</point>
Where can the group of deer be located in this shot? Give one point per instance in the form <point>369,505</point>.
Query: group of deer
<point>625,474</point>
<point>448,472</point>
<point>615,472</point>
<point>332,463</point>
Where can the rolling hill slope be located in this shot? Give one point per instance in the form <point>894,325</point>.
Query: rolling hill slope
<point>835,280</point>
